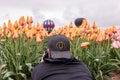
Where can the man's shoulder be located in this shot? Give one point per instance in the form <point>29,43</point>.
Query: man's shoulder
<point>40,65</point>
<point>38,69</point>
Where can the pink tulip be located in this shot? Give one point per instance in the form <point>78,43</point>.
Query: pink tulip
<point>118,38</point>
<point>116,44</point>
<point>117,35</point>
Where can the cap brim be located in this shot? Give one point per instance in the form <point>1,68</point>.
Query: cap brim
<point>60,54</point>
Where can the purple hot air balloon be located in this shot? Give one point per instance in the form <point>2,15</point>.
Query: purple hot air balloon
<point>48,25</point>
<point>78,21</point>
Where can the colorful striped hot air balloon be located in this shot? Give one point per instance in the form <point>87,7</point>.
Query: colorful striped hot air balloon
<point>48,25</point>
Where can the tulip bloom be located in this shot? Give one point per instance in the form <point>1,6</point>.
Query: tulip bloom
<point>2,40</point>
<point>107,37</point>
<point>92,37</point>
<point>16,26</point>
<point>15,36</point>
<point>94,25</point>
<point>116,36</point>
<point>1,31</point>
<point>38,39</point>
<point>29,35</point>
<point>85,44</point>
<point>22,21</point>
<point>100,37</point>
<point>9,35</point>
<point>115,44</point>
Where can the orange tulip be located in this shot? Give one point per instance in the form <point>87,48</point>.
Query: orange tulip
<point>2,40</point>
<point>2,35</point>
<point>4,26</point>
<point>107,37</point>
<point>84,23</point>
<point>38,27</point>
<point>110,33</point>
<point>100,37</point>
<point>106,31</point>
<point>0,31</point>
<point>96,30</point>
<point>9,24</point>
<point>15,35</point>
<point>27,20</point>
<point>34,32</point>
<point>31,20</point>
<point>88,31</point>
<point>29,34</point>
<point>94,25</point>
<point>82,29</point>
<point>16,26</point>
<point>114,30</point>
<point>92,37</point>
<point>9,35</point>
<point>24,30</point>
<point>71,25</point>
<point>88,27</point>
<point>38,39</point>
<point>84,44</point>
<point>22,21</point>
<point>29,26</point>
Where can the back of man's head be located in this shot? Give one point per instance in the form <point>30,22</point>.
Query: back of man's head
<point>59,46</point>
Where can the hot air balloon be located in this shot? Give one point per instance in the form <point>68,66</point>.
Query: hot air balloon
<point>48,25</point>
<point>78,21</point>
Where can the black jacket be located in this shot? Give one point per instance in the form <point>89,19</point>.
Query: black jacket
<point>61,69</point>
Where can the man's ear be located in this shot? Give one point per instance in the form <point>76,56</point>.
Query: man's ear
<point>70,51</point>
<point>48,51</point>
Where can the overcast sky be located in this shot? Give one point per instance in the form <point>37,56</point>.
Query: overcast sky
<point>104,12</point>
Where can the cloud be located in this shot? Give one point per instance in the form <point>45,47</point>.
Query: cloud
<point>104,12</point>
<point>37,16</point>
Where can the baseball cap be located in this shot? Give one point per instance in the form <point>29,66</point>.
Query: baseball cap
<point>59,46</point>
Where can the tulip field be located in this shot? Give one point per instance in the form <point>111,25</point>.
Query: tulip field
<point>23,43</point>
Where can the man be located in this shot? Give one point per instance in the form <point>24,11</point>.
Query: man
<point>58,64</point>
